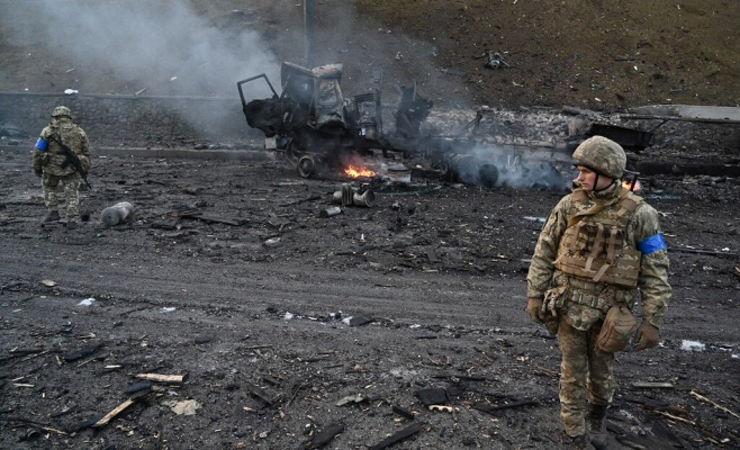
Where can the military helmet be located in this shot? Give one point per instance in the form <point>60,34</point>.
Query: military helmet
<point>601,155</point>
<point>61,111</point>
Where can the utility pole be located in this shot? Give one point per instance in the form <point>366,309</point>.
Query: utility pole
<point>309,15</point>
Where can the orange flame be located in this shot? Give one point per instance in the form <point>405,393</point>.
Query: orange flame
<point>358,172</point>
<point>628,185</point>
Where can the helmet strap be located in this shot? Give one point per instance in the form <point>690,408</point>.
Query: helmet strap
<point>596,181</point>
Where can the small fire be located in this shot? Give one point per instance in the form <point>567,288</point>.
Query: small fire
<point>358,172</point>
<point>628,185</point>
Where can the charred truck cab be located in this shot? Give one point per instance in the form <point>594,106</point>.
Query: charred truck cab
<point>315,127</point>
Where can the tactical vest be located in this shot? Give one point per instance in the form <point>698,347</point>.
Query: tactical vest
<point>69,134</point>
<point>594,247</point>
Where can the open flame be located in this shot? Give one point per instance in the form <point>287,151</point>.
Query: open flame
<point>358,172</point>
<point>628,185</point>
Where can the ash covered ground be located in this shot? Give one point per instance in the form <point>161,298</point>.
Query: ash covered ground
<point>264,313</point>
<point>228,275</point>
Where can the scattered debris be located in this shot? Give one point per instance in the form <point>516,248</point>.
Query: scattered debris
<point>350,196</point>
<point>264,395</point>
<point>536,219</point>
<point>86,302</point>
<point>113,413</point>
<point>272,241</point>
<point>169,379</point>
<point>432,396</point>
<point>443,408</point>
<point>49,283</point>
<point>653,385</point>
<point>184,408</point>
<point>330,212</point>
<point>357,321</point>
<point>83,352</point>
<point>403,412</point>
<point>354,399</point>
<point>398,437</point>
<point>122,212</point>
<point>692,346</point>
<point>493,410</point>
<point>495,61</point>
<point>700,397</point>
<point>324,436</point>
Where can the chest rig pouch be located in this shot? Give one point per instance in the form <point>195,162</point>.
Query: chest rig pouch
<point>594,247</point>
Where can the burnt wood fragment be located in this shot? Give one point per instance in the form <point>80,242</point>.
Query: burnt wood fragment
<point>398,437</point>
<point>84,351</point>
<point>356,321</point>
<point>432,396</point>
<point>324,436</point>
<point>403,412</point>
<point>138,387</point>
<point>492,410</point>
<point>263,395</point>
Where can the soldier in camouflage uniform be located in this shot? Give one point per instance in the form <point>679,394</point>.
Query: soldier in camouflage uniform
<point>599,245</point>
<point>50,163</point>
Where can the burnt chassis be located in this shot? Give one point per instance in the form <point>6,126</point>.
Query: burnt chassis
<point>311,125</point>
<point>472,157</point>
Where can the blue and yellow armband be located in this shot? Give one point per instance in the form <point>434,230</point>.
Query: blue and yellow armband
<point>652,244</point>
<point>41,145</point>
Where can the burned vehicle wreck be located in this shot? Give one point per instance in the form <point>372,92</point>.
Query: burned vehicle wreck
<point>318,130</point>
<point>321,132</point>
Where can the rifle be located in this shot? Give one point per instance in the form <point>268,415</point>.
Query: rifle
<point>71,159</point>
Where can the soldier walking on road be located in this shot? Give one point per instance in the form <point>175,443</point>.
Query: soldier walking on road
<point>53,164</point>
<point>600,244</point>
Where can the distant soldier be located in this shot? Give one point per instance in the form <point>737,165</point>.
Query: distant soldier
<point>600,244</point>
<point>61,152</point>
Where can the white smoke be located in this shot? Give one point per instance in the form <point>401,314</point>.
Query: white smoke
<point>161,46</point>
<point>476,167</point>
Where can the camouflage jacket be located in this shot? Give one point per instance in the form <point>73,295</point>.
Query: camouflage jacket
<point>642,231</point>
<point>49,156</point>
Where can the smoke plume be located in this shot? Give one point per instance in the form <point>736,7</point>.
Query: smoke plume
<point>163,46</point>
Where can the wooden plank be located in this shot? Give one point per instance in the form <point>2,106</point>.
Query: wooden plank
<point>172,379</point>
<point>116,411</point>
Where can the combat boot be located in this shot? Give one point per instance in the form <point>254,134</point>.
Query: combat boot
<point>596,422</point>
<point>51,216</point>
<point>581,442</point>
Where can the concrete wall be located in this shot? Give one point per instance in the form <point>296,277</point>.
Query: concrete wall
<point>148,120</point>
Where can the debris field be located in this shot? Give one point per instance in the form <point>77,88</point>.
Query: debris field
<point>227,313</point>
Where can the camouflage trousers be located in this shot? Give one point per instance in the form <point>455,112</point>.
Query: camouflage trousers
<point>584,375</point>
<point>71,185</point>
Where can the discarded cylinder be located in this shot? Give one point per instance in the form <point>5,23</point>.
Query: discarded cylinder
<point>329,212</point>
<point>347,194</point>
<point>344,197</point>
<point>350,196</point>
<point>119,213</point>
<point>365,199</point>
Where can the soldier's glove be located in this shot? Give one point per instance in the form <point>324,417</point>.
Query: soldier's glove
<point>646,337</point>
<point>534,309</point>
